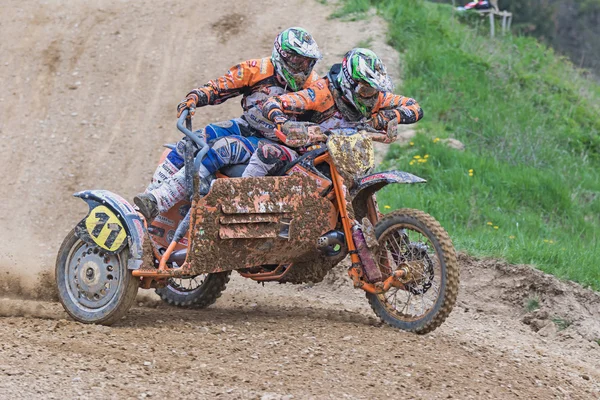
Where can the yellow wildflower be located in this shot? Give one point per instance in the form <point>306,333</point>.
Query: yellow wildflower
<point>417,157</point>
<point>426,156</point>
<point>495,227</point>
<point>386,207</point>
<point>470,171</point>
<point>490,224</point>
<point>422,160</point>
<point>545,240</point>
<point>412,162</point>
<point>436,140</point>
<point>412,143</point>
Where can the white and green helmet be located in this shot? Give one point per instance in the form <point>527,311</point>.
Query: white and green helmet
<point>362,77</point>
<point>294,55</point>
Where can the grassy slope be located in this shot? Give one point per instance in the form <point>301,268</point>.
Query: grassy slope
<point>531,125</point>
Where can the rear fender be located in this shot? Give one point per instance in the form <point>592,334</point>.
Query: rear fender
<point>111,224</point>
<point>368,185</point>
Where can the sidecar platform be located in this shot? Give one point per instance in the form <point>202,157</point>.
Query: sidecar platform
<point>243,223</point>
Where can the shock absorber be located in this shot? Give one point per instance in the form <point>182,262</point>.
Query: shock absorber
<point>372,272</point>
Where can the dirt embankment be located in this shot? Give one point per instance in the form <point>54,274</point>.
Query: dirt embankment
<point>88,95</point>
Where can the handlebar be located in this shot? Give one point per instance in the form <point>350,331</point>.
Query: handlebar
<point>187,131</point>
<point>374,134</point>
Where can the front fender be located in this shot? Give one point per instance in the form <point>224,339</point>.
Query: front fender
<point>375,182</point>
<point>108,214</point>
<point>370,184</point>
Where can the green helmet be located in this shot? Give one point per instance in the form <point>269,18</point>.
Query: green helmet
<point>362,77</point>
<point>294,55</point>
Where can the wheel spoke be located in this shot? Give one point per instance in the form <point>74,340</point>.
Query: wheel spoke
<point>406,305</point>
<point>186,284</point>
<point>413,249</point>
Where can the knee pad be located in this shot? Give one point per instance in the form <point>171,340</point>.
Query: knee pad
<point>229,150</point>
<point>271,153</point>
<point>272,156</point>
<point>212,161</point>
<point>221,129</point>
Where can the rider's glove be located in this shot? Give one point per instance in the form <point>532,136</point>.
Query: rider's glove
<point>299,134</point>
<point>188,103</point>
<point>315,135</point>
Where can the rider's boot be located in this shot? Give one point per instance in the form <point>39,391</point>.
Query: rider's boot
<point>146,203</point>
<point>163,197</point>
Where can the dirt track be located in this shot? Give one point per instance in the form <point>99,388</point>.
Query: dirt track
<point>320,341</point>
<point>87,98</point>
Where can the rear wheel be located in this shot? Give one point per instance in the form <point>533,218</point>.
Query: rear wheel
<point>94,287</point>
<point>416,242</point>
<point>198,291</point>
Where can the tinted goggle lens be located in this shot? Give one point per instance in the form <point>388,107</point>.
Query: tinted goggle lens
<point>365,91</point>
<point>297,62</point>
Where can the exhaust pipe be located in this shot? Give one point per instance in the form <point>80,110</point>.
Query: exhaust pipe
<point>332,244</point>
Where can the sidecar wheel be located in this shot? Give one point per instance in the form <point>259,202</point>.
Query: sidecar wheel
<point>94,287</point>
<point>194,292</point>
<point>414,241</point>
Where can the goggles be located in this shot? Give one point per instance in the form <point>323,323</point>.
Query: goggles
<point>365,91</point>
<point>297,63</point>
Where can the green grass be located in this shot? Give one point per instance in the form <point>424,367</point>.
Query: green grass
<point>531,126</point>
<point>561,324</point>
<point>352,10</point>
<point>365,43</point>
<point>532,303</point>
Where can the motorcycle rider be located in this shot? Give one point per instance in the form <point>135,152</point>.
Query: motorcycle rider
<point>357,91</point>
<point>290,67</point>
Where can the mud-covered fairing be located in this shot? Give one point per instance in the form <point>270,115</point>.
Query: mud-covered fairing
<point>246,222</point>
<point>353,155</point>
<point>111,224</point>
<point>365,187</point>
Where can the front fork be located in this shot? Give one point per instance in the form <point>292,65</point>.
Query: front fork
<point>359,267</point>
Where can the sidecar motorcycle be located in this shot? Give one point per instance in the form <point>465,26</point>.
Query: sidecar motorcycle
<point>292,227</point>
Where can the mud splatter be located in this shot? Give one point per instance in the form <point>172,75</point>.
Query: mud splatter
<point>10,285</point>
<point>31,309</point>
<point>293,198</point>
<point>45,289</point>
<point>40,287</point>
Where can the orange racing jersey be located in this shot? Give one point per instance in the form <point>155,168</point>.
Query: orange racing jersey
<point>256,80</point>
<point>317,104</point>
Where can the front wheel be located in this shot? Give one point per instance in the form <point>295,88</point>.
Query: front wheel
<point>94,287</point>
<point>414,241</point>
